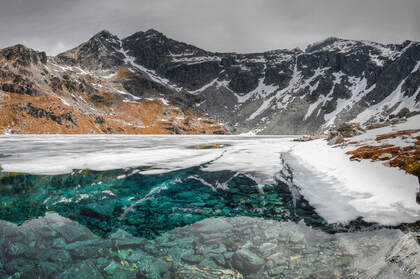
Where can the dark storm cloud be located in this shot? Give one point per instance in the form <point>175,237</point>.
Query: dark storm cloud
<point>217,25</point>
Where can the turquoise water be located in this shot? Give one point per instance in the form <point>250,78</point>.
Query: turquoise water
<point>146,205</point>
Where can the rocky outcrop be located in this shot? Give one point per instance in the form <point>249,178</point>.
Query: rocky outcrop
<point>20,89</point>
<point>406,254</point>
<point>21,56</point>
<point>100,52</point>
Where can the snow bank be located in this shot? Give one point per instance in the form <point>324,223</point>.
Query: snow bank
<point>341,190</point>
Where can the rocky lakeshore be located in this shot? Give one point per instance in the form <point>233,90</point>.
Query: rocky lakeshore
<point>396,144</point>
<point>229,248</point>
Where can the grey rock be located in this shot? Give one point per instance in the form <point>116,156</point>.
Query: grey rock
<point>87,249</point>
<point>110,269</point>
<point>192,259</point>
<point>267,249</point>
<point>85,243</point>
<point>61,256</point>
<point>71,232</point>
<point>18,265</point>
<point>221,249</point>
<point>136,255</point>
<point>336,140</point>
<point>297,237</point>
<point>219,259</point>
<point>215,226</point>
<point>15,249</point>
<point>246,261</point>
<point>100,209</point>
<point>406,254</point>
<point>228,255</point>
<point>59,243</point>
<point>84,270</point>
<point>162,266</point>
<point>193,272</point>
<point>277,271</point>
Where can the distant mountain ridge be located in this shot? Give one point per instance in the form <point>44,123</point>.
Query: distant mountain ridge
<point>274,92</point>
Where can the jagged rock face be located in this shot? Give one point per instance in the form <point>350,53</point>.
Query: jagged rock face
<point>275,92</point>
<point>100,52</point>
<point>19,55</point>
<point>179,62</point>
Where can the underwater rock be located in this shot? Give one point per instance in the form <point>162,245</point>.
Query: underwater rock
<point>217,225</point>
<point>193,272</point>
<point>100,209</point>
<point>219,259</point>
<point>110,269</point>
<point>70,232</point>
<point>18,265</point>
<point>192,259</point>
<point>132,242</point>
<point>46,232</point>
<point>59,243</point>
<point>221,249</point>
<point>84,270</point>
<point>61,256</point>
<point>162,266</point>
<point>246,261</point>
<point>88,249</point>
<point>267,249</point>
<point>85,243</point>
<point>277,271</point>
<point>15,249</point>
<point>406,253</point>
<point>123,239</point>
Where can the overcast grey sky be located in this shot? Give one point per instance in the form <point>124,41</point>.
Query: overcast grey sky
<point>216,25</point>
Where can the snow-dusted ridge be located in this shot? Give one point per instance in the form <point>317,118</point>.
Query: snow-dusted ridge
<point>330,82</point>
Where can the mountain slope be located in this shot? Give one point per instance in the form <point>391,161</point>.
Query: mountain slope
<point>42,94</point>
<point>285,91</point>
<point>275,92</point>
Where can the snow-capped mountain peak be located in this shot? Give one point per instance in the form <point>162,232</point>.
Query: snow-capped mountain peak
<point>279,91</point>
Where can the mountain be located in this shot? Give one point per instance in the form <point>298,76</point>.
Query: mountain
<point>275,92</point>
<point>91,90</point>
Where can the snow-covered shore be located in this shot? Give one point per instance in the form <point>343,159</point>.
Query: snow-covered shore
<point>341,190</point>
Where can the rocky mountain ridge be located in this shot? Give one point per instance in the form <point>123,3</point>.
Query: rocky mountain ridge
<point>43,95</point>
<point>275,92</point>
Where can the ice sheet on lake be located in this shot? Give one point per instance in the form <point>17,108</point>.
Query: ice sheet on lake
<point>338,188</point>
<point>258,156</point>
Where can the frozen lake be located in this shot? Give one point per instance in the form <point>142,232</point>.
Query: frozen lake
<point>171,205</point>
<point>339,189</point>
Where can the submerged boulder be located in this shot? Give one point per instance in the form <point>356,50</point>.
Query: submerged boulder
<point>193,272</point>
<point>247,261</point>
<point>406,253</point>
<point>101,210</point>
